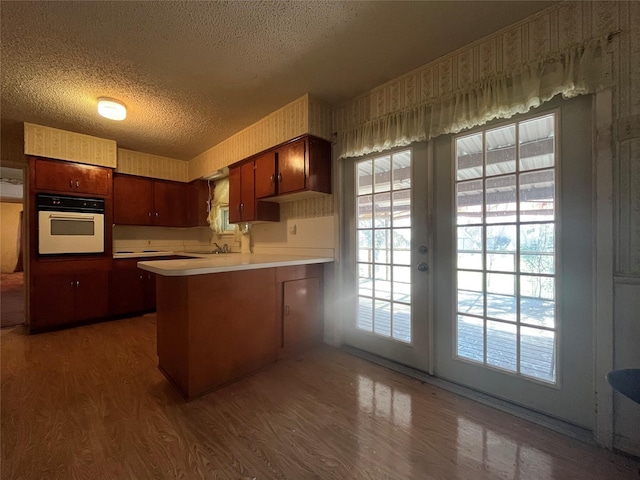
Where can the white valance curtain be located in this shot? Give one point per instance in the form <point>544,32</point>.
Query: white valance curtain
<point>581,69</point>
<point>220,200</point>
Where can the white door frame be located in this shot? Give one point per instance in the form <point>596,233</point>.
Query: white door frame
<point>603,267</point>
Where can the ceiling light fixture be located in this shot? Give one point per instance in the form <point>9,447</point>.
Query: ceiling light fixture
<point>112,109</point>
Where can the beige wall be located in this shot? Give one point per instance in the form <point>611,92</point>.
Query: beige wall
<point>9,235</point>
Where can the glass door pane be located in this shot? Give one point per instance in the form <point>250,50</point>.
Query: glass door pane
<point>383,199</point>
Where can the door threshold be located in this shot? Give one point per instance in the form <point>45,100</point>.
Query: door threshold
<point>579,433</point>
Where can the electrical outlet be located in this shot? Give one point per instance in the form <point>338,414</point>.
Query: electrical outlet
<point>628,128</point>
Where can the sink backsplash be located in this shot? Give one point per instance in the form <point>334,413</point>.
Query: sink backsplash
<point>139,238</point>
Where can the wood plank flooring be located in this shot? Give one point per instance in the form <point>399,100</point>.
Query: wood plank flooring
<point>90,403</point>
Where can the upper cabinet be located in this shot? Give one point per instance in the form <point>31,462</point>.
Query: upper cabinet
<point>146,201</point>
<point>243,206</point>
<point>298,169</point>
<point>60,176</point>
<point>198,203</point>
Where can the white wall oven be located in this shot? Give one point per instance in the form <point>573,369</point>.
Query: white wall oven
<point>68,225</point>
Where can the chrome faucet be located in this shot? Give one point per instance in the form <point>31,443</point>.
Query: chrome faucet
<point>221,249</point>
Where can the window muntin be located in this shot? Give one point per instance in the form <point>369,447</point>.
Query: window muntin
<point>506,248</point>
<point>383,202</point>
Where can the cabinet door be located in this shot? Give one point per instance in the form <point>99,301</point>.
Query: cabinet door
<point>235,194</point>
<point>291,167</point>
<point>198,204</point>
<point>126,290</point>
<point>52,300</point>
<point>265,175</point>
<point>132,200</point>
<point>248,203</point>
<point>149,294</point>
<point>72,177</point>
<point>170,203</point>
<point>91,295</point>
<point>301,320</point>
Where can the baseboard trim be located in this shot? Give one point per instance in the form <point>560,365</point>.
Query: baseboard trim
<point>560,426</point>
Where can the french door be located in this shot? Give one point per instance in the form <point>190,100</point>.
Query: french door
<point>509,276</point>
<point>388,255</point>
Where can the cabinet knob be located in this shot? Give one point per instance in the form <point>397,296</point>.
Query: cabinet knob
<point>77,183</point>
<point>157,214</point>
<point>149,213</point>
<point>273,178</point>
<point>71,183</point>
<point>286,310</point>
<point>279,177</point>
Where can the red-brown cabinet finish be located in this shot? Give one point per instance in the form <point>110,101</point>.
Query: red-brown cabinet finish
<point>146,201</point>
<point>72,178</point>
<point>132,290</point>
<point>199,202</point>
<point>243,206</point>
<point>265,175</point>
<point>292,171</point>
<point>132,200</point>
<point>170,203</point>
<point>297,169</point>
<point>68,292</point>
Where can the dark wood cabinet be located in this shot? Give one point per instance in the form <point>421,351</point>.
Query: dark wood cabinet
<point>146,201</point>
<point>198,203</point>
<point>170,203</point>
<point>132,200</point>
<point>243,206</point>
<point>300,168</point>
<point>292,167</point>
<point>132,290</point>
<point>68,292</point>
<point>265,175</point>
<point>300,308</point>
<point>301,325</point>
<point>72,178</point>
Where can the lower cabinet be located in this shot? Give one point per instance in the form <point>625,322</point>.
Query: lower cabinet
<point>132,290</point>
<point>300,308</point>
<point>68,292</point>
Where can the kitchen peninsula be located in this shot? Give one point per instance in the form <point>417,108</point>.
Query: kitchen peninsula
<point>225,316</point>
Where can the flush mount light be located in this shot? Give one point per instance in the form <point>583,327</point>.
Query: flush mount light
<point>112,109</point>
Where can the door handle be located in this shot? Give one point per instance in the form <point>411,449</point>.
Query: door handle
<point>423,267</point>
<point>286,310</point>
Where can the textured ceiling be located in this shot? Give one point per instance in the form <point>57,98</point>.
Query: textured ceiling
<point>194,73</point>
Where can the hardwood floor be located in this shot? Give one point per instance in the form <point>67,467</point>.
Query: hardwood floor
<point>11,299</point>
<point>90,403</point>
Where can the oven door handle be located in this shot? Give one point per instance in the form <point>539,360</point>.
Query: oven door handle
<point>89,218</point>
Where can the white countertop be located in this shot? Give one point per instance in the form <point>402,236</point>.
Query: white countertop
<point>225,262</point>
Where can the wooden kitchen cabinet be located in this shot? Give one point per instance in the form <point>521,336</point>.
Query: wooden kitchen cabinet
<point>243,206</point>
<point>198,203</point>
<point>170,203</point>
<point>300,309</point>
<point>132,290</point>
<point>146,201</point>
<point>301,321</point>
<point>298,169</point>
<point>72,178</point>
<point>132,200</point>
<point>265,175</point>
<point>68,292</point>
